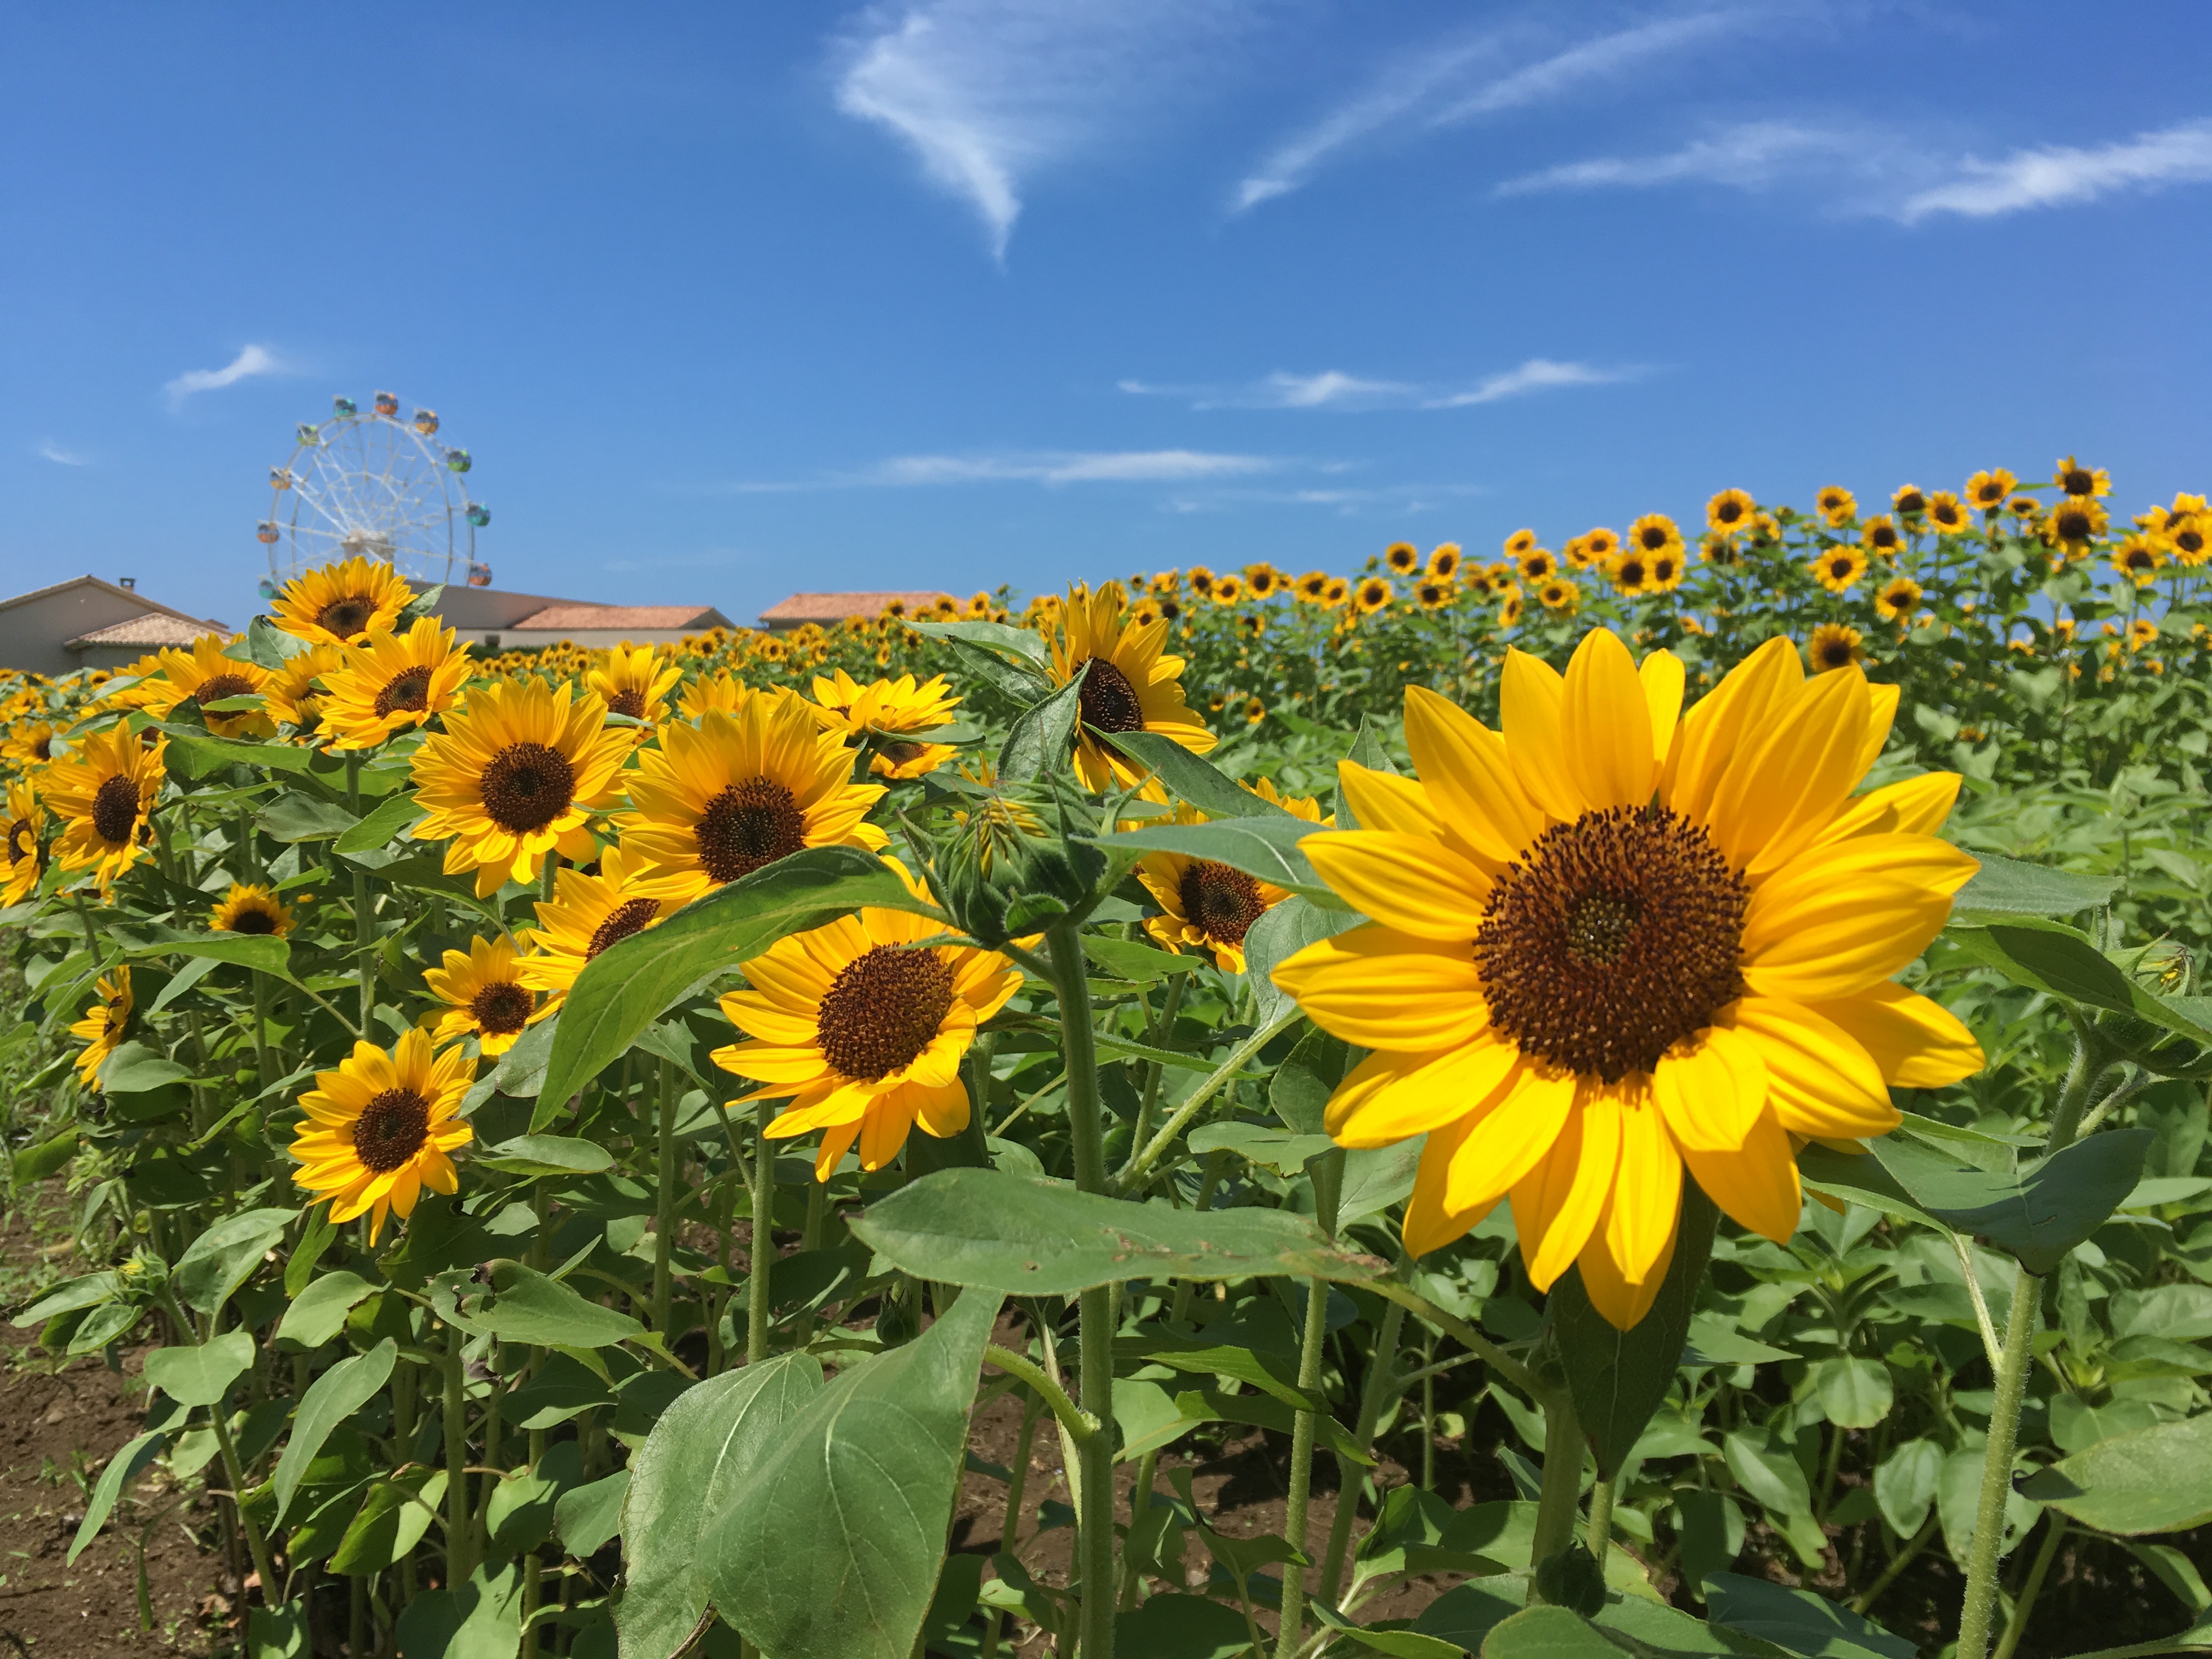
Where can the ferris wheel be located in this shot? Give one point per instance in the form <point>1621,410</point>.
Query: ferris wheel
<point>375,485</point>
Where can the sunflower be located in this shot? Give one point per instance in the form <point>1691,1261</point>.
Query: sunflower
<point>1834,646</point>
<point>389,683</point>
<point>2185,536</point>
<point>1631,572</point>
<point>485,997</point>
<point>1837,504</point>
<point>1880,537</point>
<point>1128,684</point>
<point>1538,565</point>
<point>2142,631</point>
<point>31,743</point>
<point>1948,513</point>
<point>1667,571</point>
<point>1899,599</point>
<point>1200,580</point>
<point>1402,557</point>
<point>1599,546</point>
<point>1263,581</point>
<point>251,908</point>
<point>1444,560</point>
<point>1988,489</point>
<point>1682,932</point>
<point>1560,597</point>
<point>1337,594</point>
<point>1730,510</point>
<point>1908,501</point>
<point>1166,584</point>
<point>104,792</point>
<point>292,697</point>
<point>587,914</point>
<point>512,777</point>
<point>737,792</point>
<point>1654,533</point>
<point>863,1030</point>
<point>2076,521</point>
<point>383,1127</point>
<point>204,675</point>
<point>721,691</point>
<point>1716,547</point>
<point>1312,588</point>
<point>1432,594</point>
<point>1509,608</point>
<point>1209,907</point>
<point>337,603</point>
<point>1839,568</point>
<point>1372,595</point>
<point>26,862</point>
<point>2024,507</point>
<point>104,1025</point>
<point>2086,483</point>
<point>897,707</point>
<point>2139,559</point>
<point>635,681</point>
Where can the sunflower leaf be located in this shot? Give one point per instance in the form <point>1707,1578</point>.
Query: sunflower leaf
<point>1039,743</point>
<point>201,1376</point>
<point>1267,847</point>
<point>1188,777</point>
<point>1286,929</point>
<point>999,637</point>
<point>380,826</point>
<point>331,1399</point>
<point>295,817</point>
<point>2007,889</point>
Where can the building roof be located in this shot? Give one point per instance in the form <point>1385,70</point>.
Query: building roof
<point>154,629</point>
<point>836,607</point>
<point>567,617</point>
<point>203,625</point>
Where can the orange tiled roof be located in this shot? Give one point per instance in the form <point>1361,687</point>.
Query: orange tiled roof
<point>554,616</point>
<point>835,607</point>
<point>147,632</point>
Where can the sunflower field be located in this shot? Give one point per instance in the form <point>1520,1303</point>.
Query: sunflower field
<point>1650,1098</point>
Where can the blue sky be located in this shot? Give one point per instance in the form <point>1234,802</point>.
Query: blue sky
<point>728,301</point>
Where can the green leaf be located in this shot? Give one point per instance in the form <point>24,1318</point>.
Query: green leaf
<point>1170,1627</point>
<point>37,1163</point>
<point>546,1155</point>
<point>331,1399</point>
<point>122,1469</point>
<point>1025,1237</point>
<point>1618,1378</point>
<point>2035,1217</point>
<point>295,817</point>
<point>1904,1484</point>
<point>1298,1095</point>
<point>264,953</point>
<point>201,1376</point>
<point>1270,1148</point>
<point>195,754</point>
<point>2006,887</point>
<point>1546,1634</point>
<point>585,1517</point>
<point>1856,1393</point>
<point>1190,778</point>
<point>378,828</point>
<point>1140,964</point>
<point>1798,1621</point>
<point>390,1524</point>
<point>1772,1477</point>
<point>483,1620</point>
<point>524,1305</point>
<point>319,1313</point>
<point>1264,848</point>
<point>88,1290</point>
<point>136,1069</point>
<point>632,983</point>
<point>1042,740</point>
<point>1001,637</point>
<point>1376,1177</point>
<point>2153,1480</point>
<point>680,1486</point>
<point>224,1257</point>
<point>832,1541</point>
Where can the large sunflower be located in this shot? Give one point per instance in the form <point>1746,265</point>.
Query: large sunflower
<point>896,707</point>
<point>1899,599</point>
<point>1129,684</point>
<point>1208,907</point>
<point>635,681</point>
<point>1834,645</point>
<point>1730,510</point>
<point>104,1025</point>
<point>485,996</point>
<point>30,743</point>
<point>1837,504</point>
<point>2086,483</point>
<point>104,792</point>
<point>389,683</point>
<point>721,692</point>
<point>18,876</point>
<point>250,908</point>
<point>337,603</point>
<point>514,776</point>
<point>1614,942</point>
<point>1988,489</point>
<point>204,675</point>
<point>588,914</point>
<point>736,792</point>
<point>864,1031</point>
<point>382,1127</point>
<point>1838,567</point>
<point>2139,558</point>
<point>1654,533</point>
<point>293,697</point>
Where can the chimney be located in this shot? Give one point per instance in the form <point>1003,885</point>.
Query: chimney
<point>129,583</point>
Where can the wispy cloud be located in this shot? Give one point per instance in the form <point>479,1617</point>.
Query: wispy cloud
<point>1334,390</point>
<point>1745,156</point>
<point>1050,467</point>
<point>2054,176</point>
<point>1438,89</point>
<point>990,92</point>
<point>251,361</point>
<point>50,451</point>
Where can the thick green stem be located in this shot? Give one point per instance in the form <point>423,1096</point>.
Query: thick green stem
<point>664,1220</point>
<point>460,1522</point>
<point>263,1068</point>
<point>1974,1621</point>
<point>1327,1181</point>
<point>1382,1387</point>
<point>364,918</point>
<point>2054,1533</point>
<point>1560,1495</point>
<point>1599,1534</point>
<point>764,1240</point>
<point>236,1473</point>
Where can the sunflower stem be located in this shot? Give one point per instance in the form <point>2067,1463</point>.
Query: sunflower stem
<point>1140,1162</point>
<point>1560,1495</point>
<point>1010,1529</point>
<point>460,1522</point>
<point>233,1469</point>
<point>1162,1026</point>
<point>664,1220</point>
<point>1383,1385</point>
<point>364,920</point>
<point>1328,1178</point>
<point>764,1240</point>
<point>1094,1521</point>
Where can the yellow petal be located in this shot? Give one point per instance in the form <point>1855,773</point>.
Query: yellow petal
<point>1410,883</point>
<point>1914,1042</point>
<point>1469,776</point>
<point>1384,989</point>
<point>1714,729</point>
<point>1820,1081</point>
<point>1387,1098</point>
<point>1913,806</point>
<point>1844,939</point>
<point>1663,675</point>
<point>1383,801</point>
<point>1712,1089</point>
<point>1647,1192</point>
<point>1786,783</point>
<point>1605,724</point>
<point>1556,1207</point>
<point>1881,714</point>
<point>1527,1111</point>
<point>1429,1224</point>
<point>1530,694</point>
<point>1621,1302</point>
<point>1756,1186</point>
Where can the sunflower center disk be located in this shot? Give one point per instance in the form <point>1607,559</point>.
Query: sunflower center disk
<point>1611,939</point>
<point>345,618</point>
<point>254,920</point>
<point>221,686</point>
<point>628,701</point>
<point>115,809</point>
<point>1108,700</point>
<point>391,1129</point>
<point>882,1010</point>
<point>527,786</point>
<point>627,918</point>
<point>409,689</point>
<point>502,1008</point>
<point>1222,902</point>
<point>22,840</point>
<point>748,825</point>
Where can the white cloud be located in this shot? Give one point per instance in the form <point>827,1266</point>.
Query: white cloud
<point>1537,374</point>
<point>2055,175</point>
<point>1334,389</point>
<point>1056,466</point>
<point>990,92</point>
<point>1431,90</point>
<point>51,450</point>
<point>1745,156</point>
<point>252,360</point>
